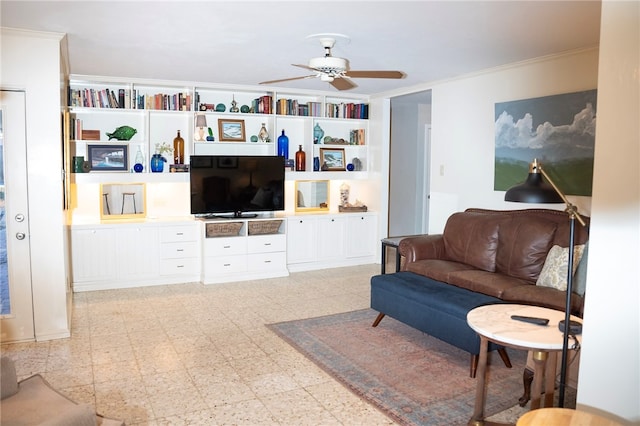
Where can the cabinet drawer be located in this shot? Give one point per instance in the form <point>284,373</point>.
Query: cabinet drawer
<point>170,234</point>
<point>225,246</point>
<point>266,261</point>
<point>267,243</point>
<point>188,266</point>
<point>224,265</point>
<point>179,250</point>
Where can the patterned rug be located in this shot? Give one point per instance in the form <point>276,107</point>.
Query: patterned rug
<point>413,378</point>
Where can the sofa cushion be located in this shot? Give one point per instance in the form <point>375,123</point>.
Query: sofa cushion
<point>523,246</point>
<point>554,271</point>
<point>472,238</point>
<point>543,296</point>
<point>438,270</point>
<point>490,283</point>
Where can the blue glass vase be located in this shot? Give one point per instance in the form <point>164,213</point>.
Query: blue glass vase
<point>157,163</point>
<point>283,145</point>
<point>316,164</point>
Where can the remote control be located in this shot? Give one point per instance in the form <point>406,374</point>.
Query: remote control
<point>532,320</point>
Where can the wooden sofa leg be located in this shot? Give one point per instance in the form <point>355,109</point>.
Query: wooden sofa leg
<point>505,357</point>
<point>527,379</point>
<point>378,319</point>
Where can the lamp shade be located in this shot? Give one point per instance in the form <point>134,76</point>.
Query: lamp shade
<point>201,120</point>
<point>533,190</point>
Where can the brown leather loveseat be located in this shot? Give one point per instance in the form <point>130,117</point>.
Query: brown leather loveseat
<point>500,253</point>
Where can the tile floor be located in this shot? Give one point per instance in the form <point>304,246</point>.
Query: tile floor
<point>190,354</point>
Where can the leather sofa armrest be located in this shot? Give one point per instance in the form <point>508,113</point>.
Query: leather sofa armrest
<point>421,247</point>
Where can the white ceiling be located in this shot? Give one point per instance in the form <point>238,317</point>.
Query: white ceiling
<point>246,42</point>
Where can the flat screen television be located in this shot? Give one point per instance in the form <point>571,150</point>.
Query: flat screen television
<point>231,186</point>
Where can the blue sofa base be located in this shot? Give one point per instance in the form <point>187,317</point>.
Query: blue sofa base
<point>433,307</point>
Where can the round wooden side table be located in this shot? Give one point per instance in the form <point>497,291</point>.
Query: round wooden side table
<point>564,417</point>
<point>493,323</point>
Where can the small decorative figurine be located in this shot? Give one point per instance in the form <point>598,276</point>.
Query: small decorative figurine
<point>122,133</point>
<point>234,106</point>
<point>210,138</point>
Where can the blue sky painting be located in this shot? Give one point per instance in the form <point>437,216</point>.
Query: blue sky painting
<point>558,130</point>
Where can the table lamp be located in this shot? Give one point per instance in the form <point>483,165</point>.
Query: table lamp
<point>201,123</point>
<point>535,190</point>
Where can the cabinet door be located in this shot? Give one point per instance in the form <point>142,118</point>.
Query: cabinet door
<point>361,235</point>
<point>137,252</point>
<point>330,237</point>
<point>92,255</point>
<point>301,239</point>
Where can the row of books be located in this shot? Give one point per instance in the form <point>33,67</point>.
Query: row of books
<point>93,98</point>
<point>125,98</point>
<point>347,110</point>
<point>356,137</point>
<point>77,132</point>
<point>293,107</point>
<point>163,101</point>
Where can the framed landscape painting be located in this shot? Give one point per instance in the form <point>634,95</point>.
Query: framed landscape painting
<point>558,130</point>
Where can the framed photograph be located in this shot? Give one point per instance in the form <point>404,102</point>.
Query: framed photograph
<point>108,157</point>
<point>333,158</point>
<point>231,130</point>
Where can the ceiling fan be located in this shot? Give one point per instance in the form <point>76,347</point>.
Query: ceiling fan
<point>334,70</point>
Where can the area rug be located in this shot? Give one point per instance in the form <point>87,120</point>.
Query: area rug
<point>413,378</point>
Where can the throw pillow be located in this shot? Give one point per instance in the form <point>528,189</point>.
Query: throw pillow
<point>554,271</point>
<point>580,277</point>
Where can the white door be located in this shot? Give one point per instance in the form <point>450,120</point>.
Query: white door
<point>16,319</point>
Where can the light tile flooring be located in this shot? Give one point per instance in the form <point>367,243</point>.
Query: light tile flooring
<point>190,354</point>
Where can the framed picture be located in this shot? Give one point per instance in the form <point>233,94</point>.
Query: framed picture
<point>108,157</point>
<point>333,158</point>
<point>231,130</point>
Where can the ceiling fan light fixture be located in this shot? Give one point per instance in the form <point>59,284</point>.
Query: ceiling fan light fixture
<point>329,65</point>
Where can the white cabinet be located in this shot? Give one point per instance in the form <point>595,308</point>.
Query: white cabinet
<point>301,239</point>
<point>180,252</point>
<point>330,237</point>
<point>243,249</point>
<point>133,254</point>
<point>331,240</point>
<point>362,236</point>
<point>136,253</point>
<point>93,255</point>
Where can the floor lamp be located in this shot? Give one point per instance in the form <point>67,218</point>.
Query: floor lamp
<point>535,190</point>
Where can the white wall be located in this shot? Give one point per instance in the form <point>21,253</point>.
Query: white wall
<point>462,137</point>
<point>31,61</point>
<point>609,377</point>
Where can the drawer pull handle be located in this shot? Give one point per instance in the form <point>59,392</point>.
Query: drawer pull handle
<point>227,264</point>
<point>226,247</point>
<point>267,261</point>
<point>179,233</point>
<point>179,250</point>
<point>180,266</point>
<point>267,244</point>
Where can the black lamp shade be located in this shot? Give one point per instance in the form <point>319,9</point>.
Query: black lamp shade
<point>533,190</point>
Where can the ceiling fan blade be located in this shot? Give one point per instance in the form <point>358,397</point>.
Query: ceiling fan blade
<point>305,67</point>
<point>342,84</point>
<point>287,79</point>
<point>375,74</point>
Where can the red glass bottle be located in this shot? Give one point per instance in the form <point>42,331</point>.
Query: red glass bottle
<point>301,159</point>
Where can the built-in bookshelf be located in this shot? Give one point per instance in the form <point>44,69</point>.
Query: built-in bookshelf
<point>157,110</point>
